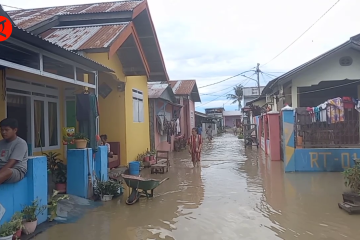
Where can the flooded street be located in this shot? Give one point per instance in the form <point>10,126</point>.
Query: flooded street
<point>236,194</point>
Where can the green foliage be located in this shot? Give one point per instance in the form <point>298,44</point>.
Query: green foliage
<point>31,212</point>
<point>352,177</point>
<point>53,202</point>
<point>7,229</point>
<point>60,173</point>
<point>237,95</point>
<point>81,136</point>
<point>52,160</point>
<point>107,187</point>
<point>240,136</point>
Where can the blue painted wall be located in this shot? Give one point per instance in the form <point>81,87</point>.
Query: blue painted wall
<point>13,197</point>
<point>325,159</point>
<point>78,161</point>
<point>101,163</point>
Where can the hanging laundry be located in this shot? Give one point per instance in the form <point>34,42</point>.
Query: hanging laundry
<point>303,116</point>
<point>348,102</point>
<point>322,108</point>
<point>178,130</point>
<point>335,110</point>
<point>317,114</point>
<point>357,105</point>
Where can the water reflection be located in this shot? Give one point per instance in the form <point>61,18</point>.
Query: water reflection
<point>237,193</point>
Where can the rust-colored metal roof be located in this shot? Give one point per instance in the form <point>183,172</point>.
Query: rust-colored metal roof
<point>81,38</point>
<point>156,89</point>
<point>26,18</point>
<point>182,87</point>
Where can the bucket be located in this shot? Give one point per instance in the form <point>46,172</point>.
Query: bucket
<point>134,168</point>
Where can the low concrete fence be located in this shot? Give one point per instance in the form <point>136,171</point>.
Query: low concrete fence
<point>14,196</point>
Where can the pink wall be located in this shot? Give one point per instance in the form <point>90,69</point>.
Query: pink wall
<point>274,136</point>
<point>162,145</point>
<point>187,116</point>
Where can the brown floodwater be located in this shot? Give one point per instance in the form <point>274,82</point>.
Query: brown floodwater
<point>237,193</point>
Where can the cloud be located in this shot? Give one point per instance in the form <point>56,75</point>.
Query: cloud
<point>212,40</point>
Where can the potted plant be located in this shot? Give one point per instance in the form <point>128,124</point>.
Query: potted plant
<point>52,162</point>
<point>107,189</point>
<point>352,180</point>
<point>7,230</point>
<point>30,214</point>
<point>80,140</point>
<point>53,203</point>
<point>60,177</point>
<point>17,220</point>
<point>152,155</point>
<point>146,156</point>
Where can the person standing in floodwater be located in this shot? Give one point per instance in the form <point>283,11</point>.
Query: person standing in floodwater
<point>209,133</point>
<point>195,144</point>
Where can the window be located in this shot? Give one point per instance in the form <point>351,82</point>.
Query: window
<point>138,105</point>
<point>39,124</point>
<point>254,91</point>
<point>38,116</point>
<point>53,119</point>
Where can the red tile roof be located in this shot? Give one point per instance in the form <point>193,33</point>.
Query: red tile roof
<point>182,87</point>
<point>81,38</point>
<point>26,18</point>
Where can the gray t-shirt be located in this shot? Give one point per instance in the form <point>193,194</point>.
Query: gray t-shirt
<point>16,150</point>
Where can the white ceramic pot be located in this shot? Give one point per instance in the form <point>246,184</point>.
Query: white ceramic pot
<point>29,227</point>
<point>6,238</point>
<point>106,198</point>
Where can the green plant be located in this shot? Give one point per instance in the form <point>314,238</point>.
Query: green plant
<point>240,136</point>
<point>60,173</point>
<point>17,219</point>
<point>7,229</point>
<point>53,202</point>
<point>52,160</point>
<point>31,212</point>
<point>352,177</point>
<point>81,136</point>
<point>106,187</point>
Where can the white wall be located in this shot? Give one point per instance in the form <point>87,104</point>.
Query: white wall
<point>328,69</point>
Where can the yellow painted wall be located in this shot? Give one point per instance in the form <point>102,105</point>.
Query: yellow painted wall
<point>35,78</point>
<point>137,134</point>
<point>112,108</point>
<point>116,111</point>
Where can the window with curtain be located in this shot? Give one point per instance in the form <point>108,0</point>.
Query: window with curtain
<point>39,124</point>
<point>52,123</point>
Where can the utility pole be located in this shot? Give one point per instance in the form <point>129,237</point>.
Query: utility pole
<point>258,78</point>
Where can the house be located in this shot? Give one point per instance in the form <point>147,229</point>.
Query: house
<point>121,36</point>
<point>328,139</point>
<point>218,113</point>
<point>232,118</point>
<point>250,93</point>
<point>163,114</point>
<point>187,94</point>
<point>35,75</point>
<point>204,120</point>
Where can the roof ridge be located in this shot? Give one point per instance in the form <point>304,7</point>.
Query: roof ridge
<point>29,9</point>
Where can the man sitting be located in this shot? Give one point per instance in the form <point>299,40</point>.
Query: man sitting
<point>13,153</point>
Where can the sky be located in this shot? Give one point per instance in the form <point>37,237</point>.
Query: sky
<point>210,41</point>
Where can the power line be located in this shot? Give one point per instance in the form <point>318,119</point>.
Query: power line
<point>303,32</point>
<point>225,79</point>
<point>224,93</point>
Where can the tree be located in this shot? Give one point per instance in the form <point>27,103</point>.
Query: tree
<point>237,95</point>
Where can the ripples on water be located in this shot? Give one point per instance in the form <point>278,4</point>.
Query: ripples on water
<point>237,193</point>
